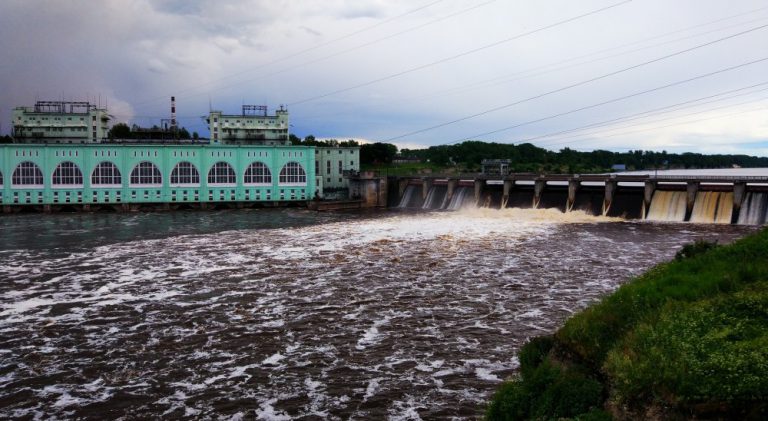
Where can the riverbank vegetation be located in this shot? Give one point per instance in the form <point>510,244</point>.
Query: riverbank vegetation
<point>688,339</point>
<point>385,158</point>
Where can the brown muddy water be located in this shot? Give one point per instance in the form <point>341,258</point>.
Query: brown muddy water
<point>289,314</point>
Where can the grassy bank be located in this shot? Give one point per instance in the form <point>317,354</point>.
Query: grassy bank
<point>688,339</point>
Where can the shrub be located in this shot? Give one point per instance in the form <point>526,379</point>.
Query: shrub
<point>594,415</point>
<point>713,351</point>
<point>510,402</point>
<point>547,392</point>
<point>569,395</point>
<point>533,353</point>
<point>694,249</point>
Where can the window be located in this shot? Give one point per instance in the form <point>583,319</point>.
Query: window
<point>222,174</point>
<point>257,173</point>
<point>146,174</point>
<point>1,178</point>
<point>184,173</point>
<point>106,174</point>
<point>317,167</point>
<point>341,167</point>
<point>293,173</point>
<point>67,174</point>
<point>27,174</point>
<point>327,167</point>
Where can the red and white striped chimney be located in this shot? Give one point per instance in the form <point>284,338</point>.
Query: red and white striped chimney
<point>173,113</point>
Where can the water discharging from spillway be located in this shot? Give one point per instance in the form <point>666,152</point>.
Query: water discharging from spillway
<point>463,197</point>
<point>436,198</point>
<point>712,207</point>
<point>287,314</point>
<point>667,206</point>
<point>754,210</point>
<point>411,197</point>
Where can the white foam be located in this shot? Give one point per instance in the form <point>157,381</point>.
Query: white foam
<point>485,374</point>
<point>372,335</point>
<point>372,388</point>
<point>267,412</point>
<point>274,359</point>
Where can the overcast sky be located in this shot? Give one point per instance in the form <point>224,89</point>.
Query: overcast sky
<point>678,75</point>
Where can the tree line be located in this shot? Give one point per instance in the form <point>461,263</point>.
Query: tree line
<point>526,157</point>
<point>123,131</point>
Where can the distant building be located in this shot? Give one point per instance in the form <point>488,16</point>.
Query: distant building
<point>495,166</point>
<point>60,122</point>
<point>252,127</point>
<point>334,165</point>
<point>406,160</point>
<point>618,167</point>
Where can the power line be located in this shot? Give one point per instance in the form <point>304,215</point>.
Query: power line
<point>656,111</point>
<point>454,57</point>
<point>610,101</point>
<point>548,68</point>
<point>363,45</point>
<point>584,82</point>
<point>653,121</point>
<point>306,50</point>
<point>764,107</point>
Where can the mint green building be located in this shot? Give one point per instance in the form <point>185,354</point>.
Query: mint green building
<point>51,174</point>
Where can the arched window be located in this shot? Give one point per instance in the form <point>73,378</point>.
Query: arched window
<point>67,174</point>
<point>293,173</point>
<point>222,173</point>
<point>257,174</point>
<point>185,174</point>
<point>27,174</point>
<point>146,174</point>
<point>106,174</point>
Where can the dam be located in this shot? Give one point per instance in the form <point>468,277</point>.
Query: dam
<point>672,198</point>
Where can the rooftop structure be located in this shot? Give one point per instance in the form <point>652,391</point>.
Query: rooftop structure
<point>60,122</point>
<point>495,166</point>
<point>252,127</point>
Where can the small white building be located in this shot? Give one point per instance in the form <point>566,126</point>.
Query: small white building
<point>60,122</point>
<point>333,166</point>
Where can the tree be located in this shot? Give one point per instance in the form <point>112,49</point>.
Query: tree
<point>120,131</point>
<point>377,153</point>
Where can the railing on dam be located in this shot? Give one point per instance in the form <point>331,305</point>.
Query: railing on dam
<point>587,177</point>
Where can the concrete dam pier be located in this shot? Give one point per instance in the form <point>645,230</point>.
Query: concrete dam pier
<point>699,199</point>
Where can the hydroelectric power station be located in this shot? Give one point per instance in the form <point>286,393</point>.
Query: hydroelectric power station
<point>62,158</point>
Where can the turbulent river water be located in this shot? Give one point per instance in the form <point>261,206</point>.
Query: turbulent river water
<point>285,314</point>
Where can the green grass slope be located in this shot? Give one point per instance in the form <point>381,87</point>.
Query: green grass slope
<point>688,339</point>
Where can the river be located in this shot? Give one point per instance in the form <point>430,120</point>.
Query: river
<point>286,313</point>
